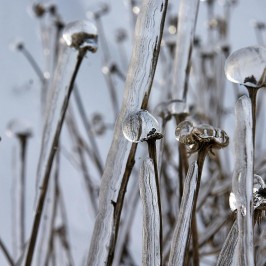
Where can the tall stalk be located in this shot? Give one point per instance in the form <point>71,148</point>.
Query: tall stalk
<point>52,152</point>
<point>139,80</point>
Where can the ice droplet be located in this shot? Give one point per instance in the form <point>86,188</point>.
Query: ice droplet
<point>247,66</point>
<point>138,125</point>
<point>183,132</point>
<point>81,34</point>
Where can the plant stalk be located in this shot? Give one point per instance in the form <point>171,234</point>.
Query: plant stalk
<point>52,153</point>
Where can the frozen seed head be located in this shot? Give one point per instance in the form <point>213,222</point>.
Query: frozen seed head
<point>81,34</point>
<point>259,196</point>
<point>140,126</point>
<point>247,66</point>
<point>19,129</point>
<point>201,135</point>
<point>39,10</point>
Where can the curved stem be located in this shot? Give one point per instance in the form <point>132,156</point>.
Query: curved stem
<point>194,231</point>
<point>52,152</point>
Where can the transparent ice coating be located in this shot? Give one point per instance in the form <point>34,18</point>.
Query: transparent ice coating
<point>138,125</point>
<point>81,34</point>
<point>178,107</point>
<point>183,132</point>
<point>18,128</point>
<point>151,248</point>
<point>247,66</point>
<point>226,255</point>
<point>187,17</point>
<point>183,224</point>
<point>188,134</point>
<point>55,99</point>
<point>139,78</point>
<point>242,183</point>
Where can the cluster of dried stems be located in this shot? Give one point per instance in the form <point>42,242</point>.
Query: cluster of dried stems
<point>184,186</point>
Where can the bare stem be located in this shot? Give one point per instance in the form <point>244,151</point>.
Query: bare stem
<point>153,156</point>
<point>194,231</point>
<point>23,146</point>
<point>6,253</point>
<point>52,152</point>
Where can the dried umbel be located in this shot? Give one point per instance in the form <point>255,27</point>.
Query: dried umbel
<point>81,35</point>
<point>198,136</point>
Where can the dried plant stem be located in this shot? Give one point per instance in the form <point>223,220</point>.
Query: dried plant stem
<point>33,63</point>
<point>23,146</point>
<point>153,156</point>
<point>194,231</point>
<point>6,253</point>
<point>87,125</point>
<point>119,204</point>
<point>253,97</point>
<point>52,152</point>
<point>120,159</point>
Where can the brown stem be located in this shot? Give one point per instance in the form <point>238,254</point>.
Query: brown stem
<point>52,152</point>
<point>23,147</point>
<point>6,253</point>
<point>194,231</point>
<point>119,204</point>
<point>253,97</point>
<point>153,156</point>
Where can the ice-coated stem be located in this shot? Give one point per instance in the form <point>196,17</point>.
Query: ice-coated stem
<point>153,156</point>
<point>151,248</point>
<point>23,148</point>
<point>253,97</point>
<point>187,17</point>
<point>225,257</point>
<point>194,231</point>
<point>139,80</point>
<point>6,253</point>
<point>242,184</point>
<point>182,229</point>
<point>49,162</point>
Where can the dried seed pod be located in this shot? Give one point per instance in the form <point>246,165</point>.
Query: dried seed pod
<point>197,136</point>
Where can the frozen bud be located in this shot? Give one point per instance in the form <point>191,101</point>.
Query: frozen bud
<point>81,35</point>
<point>247,66</point>
<point>140,126</point>
<point>18,128</point>
<point>39,10</point>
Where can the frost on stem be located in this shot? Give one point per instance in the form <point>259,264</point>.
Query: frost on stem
<point>247,66</point>
<point>81,35</point>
